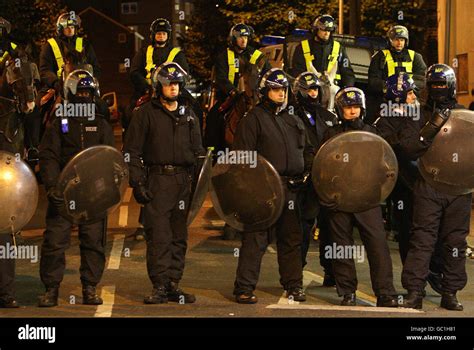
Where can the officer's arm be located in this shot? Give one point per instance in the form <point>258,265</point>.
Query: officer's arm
<point>138,72</point>
<point>181,60</point>
<point>410,144</point>
<point>308,153</point>
<point>419,71</point>
<point>222,74</point>
<point>376,81</point>
<point>50,155</point>
<point>92,60</point>
<point>48,66</point>
<point>134,146</point>
<point>345,69</point>
<point>246,134</point>
<point>298,63</point>
<point>108,134</point>
<point>197,138</point>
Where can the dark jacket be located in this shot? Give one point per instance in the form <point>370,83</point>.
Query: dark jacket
<point>138,72</point>
<point>321,51</point>
<point>161,137</point>
<point>48,66</point>
<point>279,137</point>
<point>317,120</point>
<point>57,148</point>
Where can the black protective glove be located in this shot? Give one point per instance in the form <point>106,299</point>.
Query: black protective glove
<point>331,206</point>
<point>55,198</point>
<point>142,194</point>
<point>434,125</point>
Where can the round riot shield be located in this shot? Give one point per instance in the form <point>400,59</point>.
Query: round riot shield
<point>448,165</point>
<point>93,184</point>
<point>248,196</point>
<point>201,188</point>
<point>354,171</point>
<point>18,193</point>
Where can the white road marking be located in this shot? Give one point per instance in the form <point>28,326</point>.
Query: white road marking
<point>116,252</point>
<point>108,296</point>
<point>128,195</point>
<point>298,306</point>
<point>271,250</point>
<point>123,216</point>
<point>218,223</point>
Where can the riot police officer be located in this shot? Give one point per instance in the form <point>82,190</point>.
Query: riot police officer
<point>323,54</point>
<point>350,105</point>
<point>436,216</point>
<point>166,135</point>
<point>280,138</point>
<point>388,62</point>
<point>7,46</point>
<point>317,120</point>
<point>63,139</point>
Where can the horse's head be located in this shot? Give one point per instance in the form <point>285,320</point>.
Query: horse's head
<point>21,76</point>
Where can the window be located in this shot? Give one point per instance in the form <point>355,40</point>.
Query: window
<point>122,38</point>
<point>129,8</point>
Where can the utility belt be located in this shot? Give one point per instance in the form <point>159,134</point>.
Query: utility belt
<point>295,182</point>
<point>168,169</point>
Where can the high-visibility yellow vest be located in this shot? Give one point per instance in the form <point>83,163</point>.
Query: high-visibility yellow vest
<point>332,59</point>
<point>392,65</point>
<point>234,68</point>
<point>57,52</point>
<point>5,54</point>
<point>150,65</point>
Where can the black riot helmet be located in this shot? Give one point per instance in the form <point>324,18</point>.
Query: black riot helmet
<point>167,73</point>
<point>77,80</point>
<point>324,22</point>
<point>5,28</point>
<point>398,31</point>
<point>441,83</point>
<point>303,83</point>
<point>67,19</point>
<point>160,25</point>
<point>350,96</point>
<point>237,31</point>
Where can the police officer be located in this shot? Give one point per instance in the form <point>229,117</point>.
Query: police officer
<point>436,216</point>
<point>350,105</point>
<point>52,52</point>
<point>166,136</point>
<point>229,65</point>
<point>385,63</point>
<point>63,139</point>
<point>279,137</point>
<point>7,46</point>
<point>145,61</point>
<point>317,120</point>
<point>324,54</point>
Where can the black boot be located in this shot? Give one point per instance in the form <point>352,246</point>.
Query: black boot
<point>158,295</point>
<point>434,279</point>
<point>174,293</point>
<point>450,301</point>
<point>90,297</point>
<point>413,300</point>
<point>387,301</point>
<point>246,298</point>
<point>50,298</point>
<point>349,300</point>
<point>8,302</point>
<point>296,294</point>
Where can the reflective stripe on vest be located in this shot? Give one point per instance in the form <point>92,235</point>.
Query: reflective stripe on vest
<point>58,55</point>
<point>332,59</point>
<point>392,65</point>
<point>307,54</point>
<point>5,54</point>
<point>149,59</point>
<point>255,56</point>
<point>233,68</point>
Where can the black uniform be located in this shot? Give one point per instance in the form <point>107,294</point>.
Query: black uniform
<point>48,67</point>
<point>317,120</point>
<point>321,52</point>
<point>372,233</point>
<point>437,217</point>
<point>281,139</point>
<point>378,75</point>
<point>56,149</point>
<point>169,143</point>
<point>7,266</point>
<point>215,122</point>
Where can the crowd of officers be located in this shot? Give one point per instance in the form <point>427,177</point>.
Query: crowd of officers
<point>164,141</point>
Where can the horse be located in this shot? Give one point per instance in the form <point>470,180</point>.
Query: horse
<point>17,100</point>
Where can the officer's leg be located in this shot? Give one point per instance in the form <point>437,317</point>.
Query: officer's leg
<point>7,273</point>
<point>427,213</point>
<point>453,233</point>
<point>403,212</point>
<point>289,238</point>
<point>92,239</point>
<point>324,241</point>
<point>56,239</point>
<point>372,233</point>
<point>32,133</point>
<point>254,245</point>
<point>340,228</point>
<point>179,228</point>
